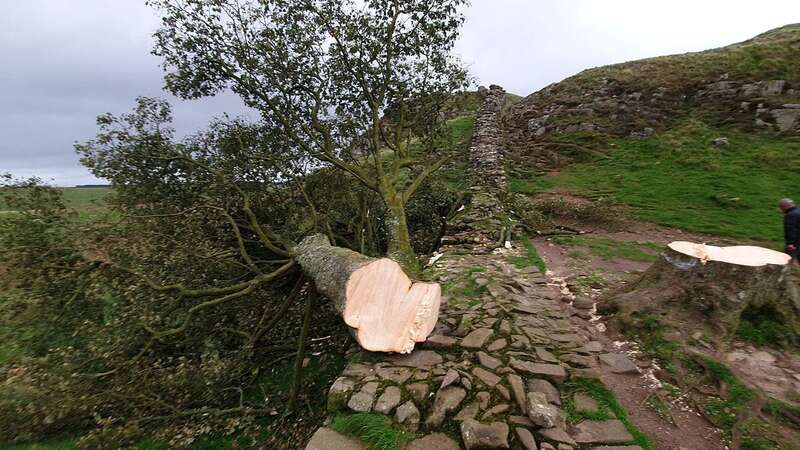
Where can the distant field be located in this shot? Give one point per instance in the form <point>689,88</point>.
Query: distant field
<point>680,179</point>
<point>81,199</point>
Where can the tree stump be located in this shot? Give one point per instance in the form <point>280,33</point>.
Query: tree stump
<point>385,310</point>
<point>702,283</point>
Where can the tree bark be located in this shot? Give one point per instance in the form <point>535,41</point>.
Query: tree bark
<point>714,285</point>
<point>400,248</point>
<point>384,309</point>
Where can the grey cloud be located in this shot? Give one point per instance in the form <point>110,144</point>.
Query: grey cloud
<point>63,62</point>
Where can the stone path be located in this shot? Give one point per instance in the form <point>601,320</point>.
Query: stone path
<point>492,373</point>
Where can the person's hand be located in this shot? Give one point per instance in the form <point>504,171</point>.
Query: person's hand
<point>791,248</point>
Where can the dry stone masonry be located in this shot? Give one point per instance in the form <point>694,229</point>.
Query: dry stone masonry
<point>492,373</point>
<point>486,151</point>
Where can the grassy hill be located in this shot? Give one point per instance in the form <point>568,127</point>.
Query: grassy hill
<point>80,198</point>
<point>679,178</point>
<point>642,133</point>
<point>774,54</point>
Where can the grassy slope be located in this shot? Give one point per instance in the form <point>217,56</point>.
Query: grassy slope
<point>771,55</point>
<point>82,199</point>
<point>680,179</point>
<point>85,198</point>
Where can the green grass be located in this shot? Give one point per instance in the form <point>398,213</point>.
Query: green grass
<point>610,249</point>
<point>78,198</point>
<point>594,280</point>
<point>521,186</point>
<point>723,410</point>
<point>609,407</point>
<point>758,434</point>
<point>461,128</point>
<point>757,443</point>
<point>85,198</point>
<point>454,174</point>
<point>455,177</point>
<point>680,179</point>
<point>375,430</point>
<point>762,333</point>
<point>660,407</point>
<point>575,415</point>
<point>770,56</point>
<point>782,410</point>
<point>648,331</point>
<point>531,258</point>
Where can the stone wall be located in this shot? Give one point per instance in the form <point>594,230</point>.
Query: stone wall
<point>491,375</point>
<point>485,151</point>
<point>480,227</point>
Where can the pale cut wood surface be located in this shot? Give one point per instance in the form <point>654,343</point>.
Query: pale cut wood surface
<point>386,311</point>
<point>741,255</point>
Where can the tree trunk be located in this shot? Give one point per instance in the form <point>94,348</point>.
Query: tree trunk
<point>696,283</point>
<point>399,239</point>
<point>376,299</point>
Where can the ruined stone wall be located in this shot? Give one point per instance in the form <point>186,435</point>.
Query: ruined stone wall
<point>492,373</point>
<point>485,152</point>
<point>481,226</point>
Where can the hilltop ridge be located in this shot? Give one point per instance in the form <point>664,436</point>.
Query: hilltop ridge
<point>725,122</point>
<point>753,85</point>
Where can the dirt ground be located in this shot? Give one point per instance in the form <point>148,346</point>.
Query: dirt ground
<point>682,427</point>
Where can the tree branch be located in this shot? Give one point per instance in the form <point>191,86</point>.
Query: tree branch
<point>422,176</point>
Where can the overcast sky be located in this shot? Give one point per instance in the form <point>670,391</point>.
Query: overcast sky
<point>63,62</point>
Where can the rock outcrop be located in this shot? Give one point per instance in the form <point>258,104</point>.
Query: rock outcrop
<point>753,85</point>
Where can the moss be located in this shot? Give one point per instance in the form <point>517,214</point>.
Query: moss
<point>464,289</point>
<point>648,331</point>
<point>609,408</point>
<point>783,411</point>
<point>760,435</point>
<point>726,409</point>
<point>764,326</point>
<point>375,430</point>
<point>531,258</point>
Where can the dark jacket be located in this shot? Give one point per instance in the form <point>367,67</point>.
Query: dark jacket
<point>791,226</point>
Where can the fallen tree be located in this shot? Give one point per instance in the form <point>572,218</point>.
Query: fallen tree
<point>197,283</point>
<point>704,284</point>
<point>386,311</point>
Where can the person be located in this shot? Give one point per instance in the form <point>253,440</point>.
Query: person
<point>791,227</point>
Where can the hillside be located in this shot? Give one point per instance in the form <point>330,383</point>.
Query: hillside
<point>724,122</point>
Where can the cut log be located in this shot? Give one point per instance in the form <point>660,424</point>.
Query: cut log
<point>706,285</point>
<point>385,310</point>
